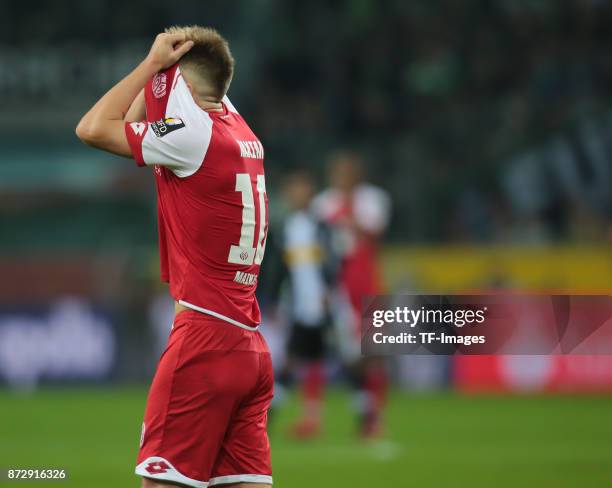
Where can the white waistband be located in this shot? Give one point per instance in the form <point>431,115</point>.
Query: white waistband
<point>217,315</point>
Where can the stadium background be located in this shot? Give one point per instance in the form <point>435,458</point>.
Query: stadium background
<point>490,124</point>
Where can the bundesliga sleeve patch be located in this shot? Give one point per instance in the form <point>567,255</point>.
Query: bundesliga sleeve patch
<point>163,127</point>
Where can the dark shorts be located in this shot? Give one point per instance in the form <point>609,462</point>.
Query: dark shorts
<point>307,342</point>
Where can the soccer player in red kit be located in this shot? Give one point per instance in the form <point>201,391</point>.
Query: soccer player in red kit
<point>359,212</point>
<point>206,414</point>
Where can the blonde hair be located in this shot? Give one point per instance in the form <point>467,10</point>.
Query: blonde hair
<point>210,60</point>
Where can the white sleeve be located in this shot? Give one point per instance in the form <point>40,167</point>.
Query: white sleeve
<point>324,204</point>
<point>372,209</point>
<point>177,143</point>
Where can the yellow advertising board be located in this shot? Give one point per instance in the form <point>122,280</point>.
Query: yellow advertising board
<point>454,269</point>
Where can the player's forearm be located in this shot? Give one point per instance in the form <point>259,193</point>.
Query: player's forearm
<point>114,105</point>
<point>103,125</point>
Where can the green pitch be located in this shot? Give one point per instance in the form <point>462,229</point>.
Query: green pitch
<point>433,441</point>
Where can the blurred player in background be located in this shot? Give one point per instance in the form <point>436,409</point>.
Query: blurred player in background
<point>308,271</point>
<point>206,414</point>
<point>359,214</point>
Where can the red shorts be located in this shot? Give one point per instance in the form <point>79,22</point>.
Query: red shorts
<point>206,415</point>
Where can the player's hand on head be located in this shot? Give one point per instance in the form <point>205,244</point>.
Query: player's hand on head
<point>167,49</point>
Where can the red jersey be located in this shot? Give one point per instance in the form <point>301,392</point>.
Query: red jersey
<point>211,194</point>
<point>369,208</point>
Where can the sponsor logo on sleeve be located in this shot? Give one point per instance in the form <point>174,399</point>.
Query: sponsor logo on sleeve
<point>163,127</point>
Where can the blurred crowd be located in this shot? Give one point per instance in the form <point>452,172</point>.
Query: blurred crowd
<point>447,98</point>
<point>487,121</point>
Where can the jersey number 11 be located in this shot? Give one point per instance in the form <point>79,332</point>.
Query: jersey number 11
<point>244,253</point>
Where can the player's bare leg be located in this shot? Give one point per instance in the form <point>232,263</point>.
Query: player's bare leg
<point>149,483</point>
<point>248,485</point>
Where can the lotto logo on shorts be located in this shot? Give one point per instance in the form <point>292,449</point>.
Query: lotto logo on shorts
<point>157,467</point>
